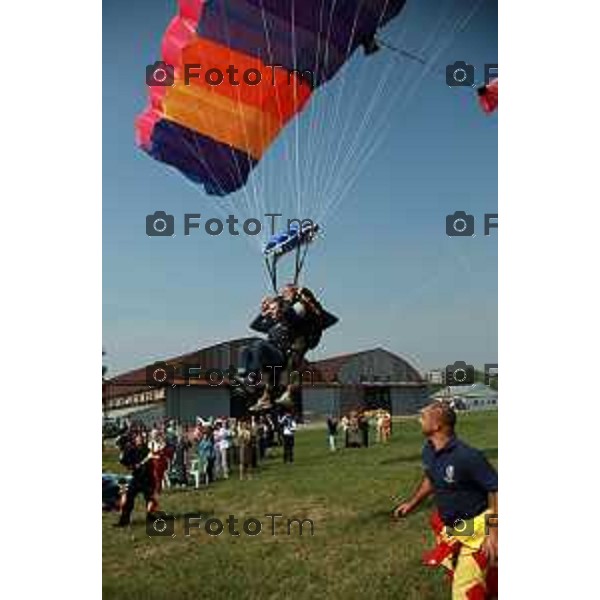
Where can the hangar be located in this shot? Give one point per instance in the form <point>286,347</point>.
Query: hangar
<point>373,378</point>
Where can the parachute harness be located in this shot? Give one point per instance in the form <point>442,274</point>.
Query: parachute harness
<point>295,240</point>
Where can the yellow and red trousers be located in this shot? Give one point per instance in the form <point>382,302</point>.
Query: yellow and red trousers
<point>467,565</point>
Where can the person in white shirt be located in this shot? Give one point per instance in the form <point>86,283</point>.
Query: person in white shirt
<point>379,426</point>
<point>288,426</point>
<point>345,428</point>
<point>332,426</point>
<point>223,448</point>
<point>221,438</point>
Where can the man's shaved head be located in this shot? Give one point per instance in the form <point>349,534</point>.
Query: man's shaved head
<point>438,416</point>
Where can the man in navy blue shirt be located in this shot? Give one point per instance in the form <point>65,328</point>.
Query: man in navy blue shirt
<point>465,490</point>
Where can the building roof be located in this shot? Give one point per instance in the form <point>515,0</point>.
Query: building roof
<point>376,366</point>
<point>367,366</point>
<point>219,356</point>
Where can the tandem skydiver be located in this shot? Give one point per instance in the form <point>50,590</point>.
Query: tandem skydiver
<point>293,322</point>
<point>306,333</point>
<point>264,357</point>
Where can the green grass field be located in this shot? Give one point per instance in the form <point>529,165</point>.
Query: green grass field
<point>356,551</point>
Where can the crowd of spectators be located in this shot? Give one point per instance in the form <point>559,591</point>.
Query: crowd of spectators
<point>214,448</point>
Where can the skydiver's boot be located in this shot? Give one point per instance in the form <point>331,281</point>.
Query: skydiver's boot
<point>264,402</point>
<point>286,399</point>
<point>239,377</point>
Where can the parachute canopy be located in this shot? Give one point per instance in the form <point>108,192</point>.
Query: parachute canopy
<point>488,96</point>
<point>238,70</point>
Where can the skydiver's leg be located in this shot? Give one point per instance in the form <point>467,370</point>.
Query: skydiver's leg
<point>271,361</point>
<point>249,376</point>
<point>251,358</point>
<point>294,378</point>
<point>262,358</point>
<point>133,489</point>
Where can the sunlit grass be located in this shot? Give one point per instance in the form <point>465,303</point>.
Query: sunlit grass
<point>356,550</point>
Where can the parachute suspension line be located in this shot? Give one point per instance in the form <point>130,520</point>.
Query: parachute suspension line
<point>372,133</point>
<point>286,145</point>
<point>331,174</point>
<point>272,270</point>
<point>323,119</point>
<point>407,54</point>
<point>361,159</point>
<point>298,267</point>
<point>272,260</point>
<point>250,200</point>
<point>333,120</point>
<point>301,253</point>
<point>358,133</point>
<point>377,138</point>
<point>319,66</point>
<point>420,59</point>
<point>298,179</point>
<point>302,261</point>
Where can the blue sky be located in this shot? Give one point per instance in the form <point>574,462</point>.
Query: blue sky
<point>384,265</point>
